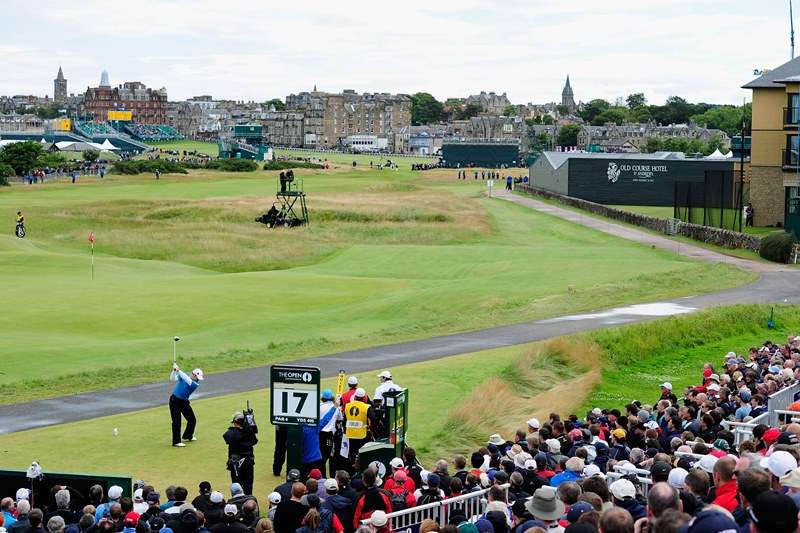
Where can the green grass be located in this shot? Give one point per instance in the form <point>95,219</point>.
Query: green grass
<point>208,148</point>
<point>393,256</point>
<point>668,212</point>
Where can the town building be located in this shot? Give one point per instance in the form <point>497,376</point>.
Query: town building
<point>490,103</point>
<point>148,106</point>
<point>568,97</point>
<point>775,147</point>
<point>60,88</point>
<point>632,137</point>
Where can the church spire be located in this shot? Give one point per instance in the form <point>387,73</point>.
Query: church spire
<point>60,75</point>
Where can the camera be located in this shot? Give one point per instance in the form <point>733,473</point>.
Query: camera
<point>250,419</point>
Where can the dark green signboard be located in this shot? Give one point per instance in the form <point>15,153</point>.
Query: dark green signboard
<point>295,395</point>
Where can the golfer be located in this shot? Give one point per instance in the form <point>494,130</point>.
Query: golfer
<point>179,404</point>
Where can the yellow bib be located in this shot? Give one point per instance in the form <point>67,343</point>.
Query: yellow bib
<point>356,424</point>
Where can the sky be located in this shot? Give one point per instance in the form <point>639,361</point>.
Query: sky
<point>702,50</point>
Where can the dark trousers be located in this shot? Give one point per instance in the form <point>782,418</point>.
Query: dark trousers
<point>281,434</point>
<point>326,448</point>
<point>178,407</point>
<point>243,474</point>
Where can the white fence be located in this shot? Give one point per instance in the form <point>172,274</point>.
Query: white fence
<point>777,404</point>
<point>473,504</point>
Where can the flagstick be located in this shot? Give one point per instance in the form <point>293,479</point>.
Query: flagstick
<point>92,261</point>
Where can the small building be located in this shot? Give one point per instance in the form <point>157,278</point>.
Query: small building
<point>366,143</point>
<point>624,179</point>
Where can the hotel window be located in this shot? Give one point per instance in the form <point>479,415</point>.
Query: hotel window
<point>793,150</point>
<point>794,108</point>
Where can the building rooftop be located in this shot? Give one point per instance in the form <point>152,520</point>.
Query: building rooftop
<point>556,159</point>
<point>774,77</point>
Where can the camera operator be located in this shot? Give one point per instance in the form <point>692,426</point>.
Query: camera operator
<point>241,438</point>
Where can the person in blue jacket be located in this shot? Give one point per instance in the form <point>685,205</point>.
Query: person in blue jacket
<point>179,403</point>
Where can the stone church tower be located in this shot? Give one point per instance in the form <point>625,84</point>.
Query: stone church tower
<point>60,88</point>
<point>567,97</point>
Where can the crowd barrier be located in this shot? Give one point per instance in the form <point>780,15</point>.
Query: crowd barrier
<point>777,405</point>
<point>408,520</point>
<point>642,476</point>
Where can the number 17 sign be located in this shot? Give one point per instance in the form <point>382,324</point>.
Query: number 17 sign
<point>295,395</point>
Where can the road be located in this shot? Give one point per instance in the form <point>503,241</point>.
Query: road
<point>776,284</point>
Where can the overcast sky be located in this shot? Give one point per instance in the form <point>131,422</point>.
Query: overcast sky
<point>703,50</point>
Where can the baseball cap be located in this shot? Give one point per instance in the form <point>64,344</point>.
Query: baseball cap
<point>231,510</point>
<point>619,433</point>
<point>722,444</point>
<point>114,492</point>
<point>327,394</point>
<point>534,423</point>
<point>433,480</point>
<point>772,511</point>
<point>216,497</point>
<point>237,416</point>
<point>667,385</point>
<point>23,494</point>
<point>132,519</point>
<point>576,434</point>
<point>623,488</point>
<point>577,509</point>
<point>331,485</point>
<point>677,478</point>
<point>315,473</point>
<point>205,487</point>
<point>385,374</point>
<point>745,395</point>
<point>660,469</point>
<point>792,479</point>
<point>198,374</point>
<point>530,464</point>
<point>710,521</point>
<point>396,463</point>
<point>352,380</point>
<point>787,437</point>
<point>275,497</point>
<point>592,470</point>
<point>779,463</point>
<point>360,393</point>
<point>400,476</point>
<point>236,488</point>
<point>137,495</point>
<point>707,463</point>
<point>153,497</point>
<point>293,475</point>
<point>771,435</point>
<point>714,377</point>
<point>378,518</point>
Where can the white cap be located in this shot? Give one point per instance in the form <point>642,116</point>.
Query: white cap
<point>23,494</point>
<point>623,488</point>
<point>352,380</point>
<point>714,387</point>
<point>275,497</point>
<point>667,385</point>
<point>378,518</point>
<point>137,495</point>
<point>198,374</point>
<point>396,463</point>
<point>533,423</point>
<point>530,464</point>
<point>779,463</point>
<point>677,477</point>
<point>706,463</point>
<point>592,470</point>
<point>385,375</point>
<point>597,411</point>
<point>730,355</point>
<point>331,485</point>
<point>216,497</point>
<point>360,393</point>
<point>553,445</point>
<point>230,509</point>
<point>114,492</point>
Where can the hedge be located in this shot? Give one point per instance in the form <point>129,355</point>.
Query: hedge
<point>285,165</point>
<point>777,246</point>
<point>148,166</point>
<point>233,165</point>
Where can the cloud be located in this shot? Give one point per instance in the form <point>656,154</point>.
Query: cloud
<point>242,49</point>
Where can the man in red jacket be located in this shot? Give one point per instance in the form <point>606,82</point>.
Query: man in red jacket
<point>727,490</point>
<point>372,500</point>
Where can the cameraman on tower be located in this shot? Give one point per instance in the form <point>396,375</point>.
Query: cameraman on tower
<point>241,438</point>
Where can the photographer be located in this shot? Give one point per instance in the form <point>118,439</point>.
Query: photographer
<point>240,438</point>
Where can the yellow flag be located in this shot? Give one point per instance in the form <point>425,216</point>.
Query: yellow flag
<point>340,383</point>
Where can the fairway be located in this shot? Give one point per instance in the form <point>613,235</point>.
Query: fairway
<point>389,256</point>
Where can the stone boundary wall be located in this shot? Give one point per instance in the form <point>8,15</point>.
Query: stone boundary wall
<point>719,237</point>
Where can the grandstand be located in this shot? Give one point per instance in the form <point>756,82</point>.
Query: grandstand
<point>152,132</point>
<point>92,129</point>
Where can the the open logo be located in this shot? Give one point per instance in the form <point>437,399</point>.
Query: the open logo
<point>613,172</point>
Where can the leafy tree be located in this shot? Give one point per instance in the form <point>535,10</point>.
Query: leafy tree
<point>277,103</point>
<point>452,103</point>
<point>531,122</point>
<point>636,100</point>
<point>562,110</point>
<point>714,143</point>
<point>617,115</point>
<point>48,112</point>
<point>50,159</point>
<point>593,108</point>
<point>91,155</point>
<point>468,111</point>
<point>548,120</point>
<point>726,118</point>
<point>640,114</point>
<point>510,111</point>
<point>568,135</point>
<point>654,144</point>
<point>425,109</point>
<point>21,156</point>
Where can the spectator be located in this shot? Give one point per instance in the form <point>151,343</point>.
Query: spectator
<point>773,513</point>
<point>290,512</point>
<point>21,523</point>
<point>370,501</point>
<point>547,508</point>
<point>616,520</point>
<point>229,523</point>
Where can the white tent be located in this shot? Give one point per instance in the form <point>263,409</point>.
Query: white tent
<point>108,146</point>
<point>42,141</point>
<point>9,141</point>
<point>716,155</point>
<point>75,146</point>
<point>729,155</point>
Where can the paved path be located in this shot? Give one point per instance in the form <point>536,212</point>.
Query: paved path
<point>777,284</point>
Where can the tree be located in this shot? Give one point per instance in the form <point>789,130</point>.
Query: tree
<point>548,120</point>
<point>48,112</point>
<point>91,155</point>
<point>277,103</point>
<point>725,117</point>
<point>468,111</point>
<point>635,100</point>
<point>617,115</point>
<point>51,160</point>
<point>531,122</point>
<point>425,109</point>
<point>654,144</point>
<point>562,110</point>
<point>714,143</point>
<point>594,108</point>
<point>568,135</point>
<point>21,156</point>
<point>640,114</point>
<point>510,111</point>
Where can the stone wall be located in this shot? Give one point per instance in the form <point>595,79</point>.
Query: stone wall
<point>719,237</point>
<point>767,195</point>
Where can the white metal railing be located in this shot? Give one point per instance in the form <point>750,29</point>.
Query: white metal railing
<point>644,480</point>
<point>777,404</point>
<point>473,504</point>
<point>794,415</point>
<point>781,400</point>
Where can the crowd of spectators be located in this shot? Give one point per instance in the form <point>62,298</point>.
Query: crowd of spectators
<point>179,156</point>
<point>152,132</point>
<point>663,466</point>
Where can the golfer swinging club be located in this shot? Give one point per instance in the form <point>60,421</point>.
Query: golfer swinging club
<point>179,403</point>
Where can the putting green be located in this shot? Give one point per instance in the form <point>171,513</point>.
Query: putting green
<point>391,256</point>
